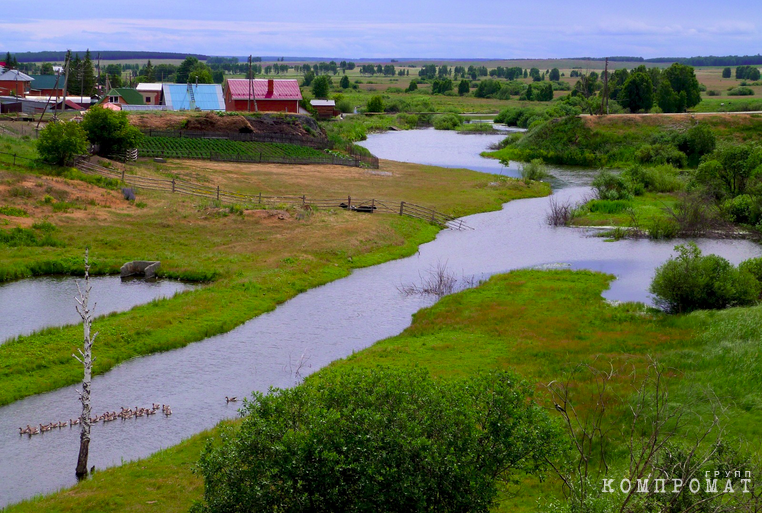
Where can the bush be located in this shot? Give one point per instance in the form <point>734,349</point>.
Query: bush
<point>447,121</point>
<point>691,281</point>
<point>534,170</point>
<point>110,130</point>
<point>652,179</point>
<point>661,154</point>
<point>378,440</point>
<point>375,104</point>
<point>741,91</point>
<point>59,142</point>
<point>608,186</point>
<point>752,266</point>
<point>742,209</point>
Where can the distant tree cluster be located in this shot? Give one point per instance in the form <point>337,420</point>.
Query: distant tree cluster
<point>674,89</point>
<point>747,73</point>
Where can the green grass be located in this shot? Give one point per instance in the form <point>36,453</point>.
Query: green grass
<point>620,212</point>
<point>539,323</point>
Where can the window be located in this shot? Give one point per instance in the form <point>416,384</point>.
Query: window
<point>148,99</point>
<point>113,99</point>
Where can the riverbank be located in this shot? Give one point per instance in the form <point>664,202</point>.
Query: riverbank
<point>256,258</point>
<point>540,323</point>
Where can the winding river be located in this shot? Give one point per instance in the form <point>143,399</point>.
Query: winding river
<point>30,305</point>
<point>311,330</point>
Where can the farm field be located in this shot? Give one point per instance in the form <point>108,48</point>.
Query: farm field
<point>204,148</point>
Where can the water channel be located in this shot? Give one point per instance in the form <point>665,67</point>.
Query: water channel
<point>30,305</point>
<point>308,332</point>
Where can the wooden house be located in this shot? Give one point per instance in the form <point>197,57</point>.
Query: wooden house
<point>263,95</point>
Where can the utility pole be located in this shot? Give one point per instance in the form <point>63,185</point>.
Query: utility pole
<point>66,79</point>
<point>248,103</point>
<point>605,99</point>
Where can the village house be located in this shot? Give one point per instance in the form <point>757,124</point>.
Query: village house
<point>151,92</point>
<point>45,85</point>
<point>325,109</point>
<point>123,96</point>
<point>264,95</point>
<point>14,83</point>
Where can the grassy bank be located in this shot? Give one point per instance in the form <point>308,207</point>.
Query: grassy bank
<point>613,141</point>
<point>257,259</point>
<point>540,323</point>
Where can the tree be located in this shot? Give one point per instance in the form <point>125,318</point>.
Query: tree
<point>46,69</point>
<point>666,97</point>
<point>86,353</point>
<point>691,281</point>
<point>344,82</point>
<point>86,76</point>
<point>58,143</point>
<point>535,74</point>
<point>110,130</point>
<point>379,440</point>
<point>464,87</point>
<point>412,86</point>
<point>730,171</point>
<point>200,73</point>
<point>682,79</point>
<point>637,93</point>
<point>183,71</point>
<point>726,72</point>
<point>321,86</point>
<point>554,75</point>
<point>149,72</point>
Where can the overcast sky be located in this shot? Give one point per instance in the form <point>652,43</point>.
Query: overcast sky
<point>390,28</point>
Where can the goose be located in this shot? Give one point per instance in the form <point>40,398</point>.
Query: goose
<point>21,431</point>
<point>168,412</point>
<point>33,431</point>
<point>231,399</point>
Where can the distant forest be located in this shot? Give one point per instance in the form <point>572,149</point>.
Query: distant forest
<point>106,56</point>
<point>710,60</point>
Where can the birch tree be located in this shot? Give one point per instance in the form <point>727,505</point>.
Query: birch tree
<point>86,359</point>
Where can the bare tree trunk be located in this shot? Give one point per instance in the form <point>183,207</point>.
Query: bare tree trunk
<point>86,313</point>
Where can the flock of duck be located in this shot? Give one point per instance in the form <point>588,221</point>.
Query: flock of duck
<point>109,416</point>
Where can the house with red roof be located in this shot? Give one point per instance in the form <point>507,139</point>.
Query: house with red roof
<point>263,95</point>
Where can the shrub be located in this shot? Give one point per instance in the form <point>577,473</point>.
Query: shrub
<point>378,440</point>
<point>375,104</point>
<point>447,121</point>
<point>608,186</point>
<point>345,106</point>
<point>661,154</point>
<point>534,170</point>
<point>110,130</point>
<point>752,266</point>
<point>742,209</point>
<point>741,91</point>
<point>59,142</point>
<point>691,281</point>
<point>653,179</point>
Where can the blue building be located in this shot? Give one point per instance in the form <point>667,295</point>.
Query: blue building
<point>193,97</point>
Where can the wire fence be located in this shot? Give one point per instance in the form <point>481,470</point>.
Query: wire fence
<point>14,157</point>
<point>177,186</point>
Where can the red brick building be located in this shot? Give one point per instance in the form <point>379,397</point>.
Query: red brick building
<point>282,95</point>
<point>14,83</point>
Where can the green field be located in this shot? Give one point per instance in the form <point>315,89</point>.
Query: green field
<point>205,148</point>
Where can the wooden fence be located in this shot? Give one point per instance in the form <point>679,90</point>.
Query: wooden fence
<point>353,161</point>
<point>174,185</point>
<point>318,143</point>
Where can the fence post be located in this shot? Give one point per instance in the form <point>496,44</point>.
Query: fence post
<point>304,199</point>
<point>402,207</point>
<point>349,202</point>
<point>122,175</point>
<point>14,159</point>
<point>173,185</point>
<point>260,198</point>
<point>372,205</point>
<point>218,193</point>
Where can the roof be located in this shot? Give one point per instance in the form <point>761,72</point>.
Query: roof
<point>323,103</point>
<point>150,87</point>
<point>131,96</point>
<point>47,81</point>
<point>205,96</point>
<point>15,75</point>
<point>283,89</point>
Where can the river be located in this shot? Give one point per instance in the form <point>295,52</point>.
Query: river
<point>308,332</point>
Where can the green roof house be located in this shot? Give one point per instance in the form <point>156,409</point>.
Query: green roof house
<point>124,96</point>
<point>45,85</point>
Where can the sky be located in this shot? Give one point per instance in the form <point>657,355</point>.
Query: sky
<point>462,29</point>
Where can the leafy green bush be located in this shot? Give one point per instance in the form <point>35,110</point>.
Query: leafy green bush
<point>652,179</point>
<point>534,171</point>
<point>60,142</point>
<point>691,281</point>
<point>752,266</point>
<point>661,154</point>
<point>608,186</point>
<point>375,104</point>
<point>7,210</point>
<point>378,440</point>
<point>110,130</point>
<point>744,208</point>
<point>741,91</point>
<point>447,121</point>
